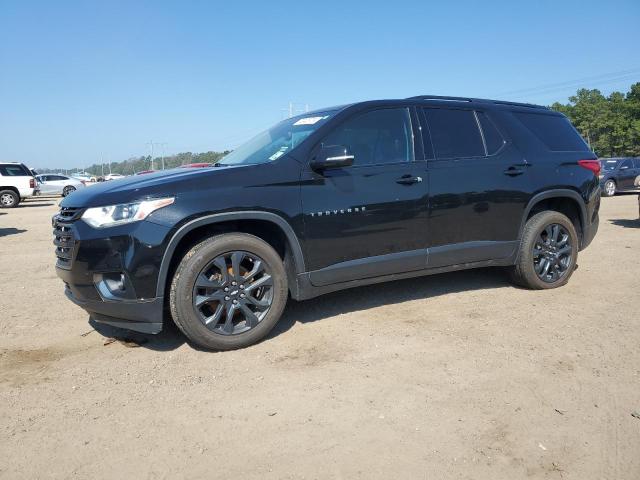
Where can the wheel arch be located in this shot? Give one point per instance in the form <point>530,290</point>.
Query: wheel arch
<point>268,226</point>
<point>567,202</point>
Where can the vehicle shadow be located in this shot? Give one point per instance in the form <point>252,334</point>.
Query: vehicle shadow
<point>390,293</point>
<point>326,306</point>
<point>10,231</point>
<point>626,222</point>
<point>34,204</point>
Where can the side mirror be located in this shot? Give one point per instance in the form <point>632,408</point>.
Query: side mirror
<point>333,156</point>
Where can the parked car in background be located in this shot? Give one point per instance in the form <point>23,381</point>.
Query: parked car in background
<point>618,174</point>
<point>56,184</point>
<point>197,165</point>
<point>16,183</point>
<point>83,177</point>
<point>113,176</point>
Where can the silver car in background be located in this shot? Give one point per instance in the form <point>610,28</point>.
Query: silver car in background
<point>56,184</point>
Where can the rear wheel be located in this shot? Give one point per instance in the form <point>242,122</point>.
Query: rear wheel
<point>67,190</point>
<point>9,199</point>
<point>228,291</point>
<point>548,252</point>
<point>609,189</point>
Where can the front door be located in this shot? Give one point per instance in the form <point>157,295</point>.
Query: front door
<point>368,219</point>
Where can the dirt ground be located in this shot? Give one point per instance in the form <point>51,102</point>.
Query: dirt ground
<point>452,376</point>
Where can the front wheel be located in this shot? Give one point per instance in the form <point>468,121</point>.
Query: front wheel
<point>68,190</point>
<point>9,199</point>
<point>609,189</point>
<point>548,252</point>
<point>228,291</point>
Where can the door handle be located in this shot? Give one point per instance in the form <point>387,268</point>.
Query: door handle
<point>408,180</point>
<point>515,170</point>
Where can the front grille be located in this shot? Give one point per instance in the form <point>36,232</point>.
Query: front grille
<point>69,214</point>
<point>63,235</point>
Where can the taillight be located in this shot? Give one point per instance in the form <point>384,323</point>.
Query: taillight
<point>593,165</point>
<point>32,182</point>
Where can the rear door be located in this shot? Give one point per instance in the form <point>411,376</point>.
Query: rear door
<point>479,187</point>
<point>368,219</point>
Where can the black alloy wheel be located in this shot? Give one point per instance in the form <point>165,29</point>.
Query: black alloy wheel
<point>552,253</point>
<point>233,293</point>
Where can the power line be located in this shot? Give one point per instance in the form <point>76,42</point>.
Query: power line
<point>605,77</point>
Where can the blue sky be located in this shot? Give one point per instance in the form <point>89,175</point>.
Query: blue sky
<point>81,80</point>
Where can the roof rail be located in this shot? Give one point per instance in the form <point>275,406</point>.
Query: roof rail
<point>479,100</point>
<point>441,97</point>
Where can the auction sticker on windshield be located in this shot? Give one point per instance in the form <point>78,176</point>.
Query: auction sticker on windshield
<point>309,120</point>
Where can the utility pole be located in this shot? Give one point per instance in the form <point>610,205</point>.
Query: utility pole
<point>163,145</point>
<point>151,145</point>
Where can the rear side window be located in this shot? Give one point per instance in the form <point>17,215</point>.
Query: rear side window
<point>454,133</point>
<point>492,137</point>
<point>637,162</point>
<point>626,164</point>
<point>376,137</point>
<point>554,131</point>
<point>13,171</point>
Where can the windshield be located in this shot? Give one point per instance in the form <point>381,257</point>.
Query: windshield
<point>609,165</point>
<point>278,140</point>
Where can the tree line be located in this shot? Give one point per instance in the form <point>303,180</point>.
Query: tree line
<point>134,165</point>
<point>610,124</point>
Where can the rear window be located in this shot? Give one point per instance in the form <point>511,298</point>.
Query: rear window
<point>14,171</point>
<point>554,131</point>
<point>454,133</point>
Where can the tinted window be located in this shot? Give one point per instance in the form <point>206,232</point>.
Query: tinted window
<point>637,162</point>
<point>14,171</point>
<point>554,131</point>
<point>492,137</point>
<point>627,164</point>
<point>454,133</point>
<point>380,136</point>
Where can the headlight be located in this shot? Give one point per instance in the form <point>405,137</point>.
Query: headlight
<point>112,215</point>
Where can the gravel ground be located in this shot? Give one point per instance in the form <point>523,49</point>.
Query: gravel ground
<point>452,376</point>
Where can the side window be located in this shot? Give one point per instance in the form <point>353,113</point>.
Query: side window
<point>636,161</point>
<point>492,138</point>
<point>379,136</point>
<point>626,164</point>
<point>12,171</point>
<point>454,133</point>
<point>555,131</point>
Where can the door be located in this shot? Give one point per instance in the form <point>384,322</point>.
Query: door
<point>368,219</point>
<point>627,174</point>
<point>479,187</point>
<point>47,187</point>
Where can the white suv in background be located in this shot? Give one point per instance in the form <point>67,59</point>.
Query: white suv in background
<point>16,183</point>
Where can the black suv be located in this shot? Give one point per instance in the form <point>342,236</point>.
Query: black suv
<point>618,174</point>
<point>333,199</point>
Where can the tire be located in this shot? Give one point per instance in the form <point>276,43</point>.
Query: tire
<point>609,188</point>
<point>529,270</point>
<point>68,190</point>
<point>9,199</point>
<point>208,271</point>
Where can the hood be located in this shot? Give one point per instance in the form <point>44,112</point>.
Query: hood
<point>136,187</point>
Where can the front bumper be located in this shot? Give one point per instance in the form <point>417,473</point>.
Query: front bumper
<point>112,273</point>
<point>140,316</point>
